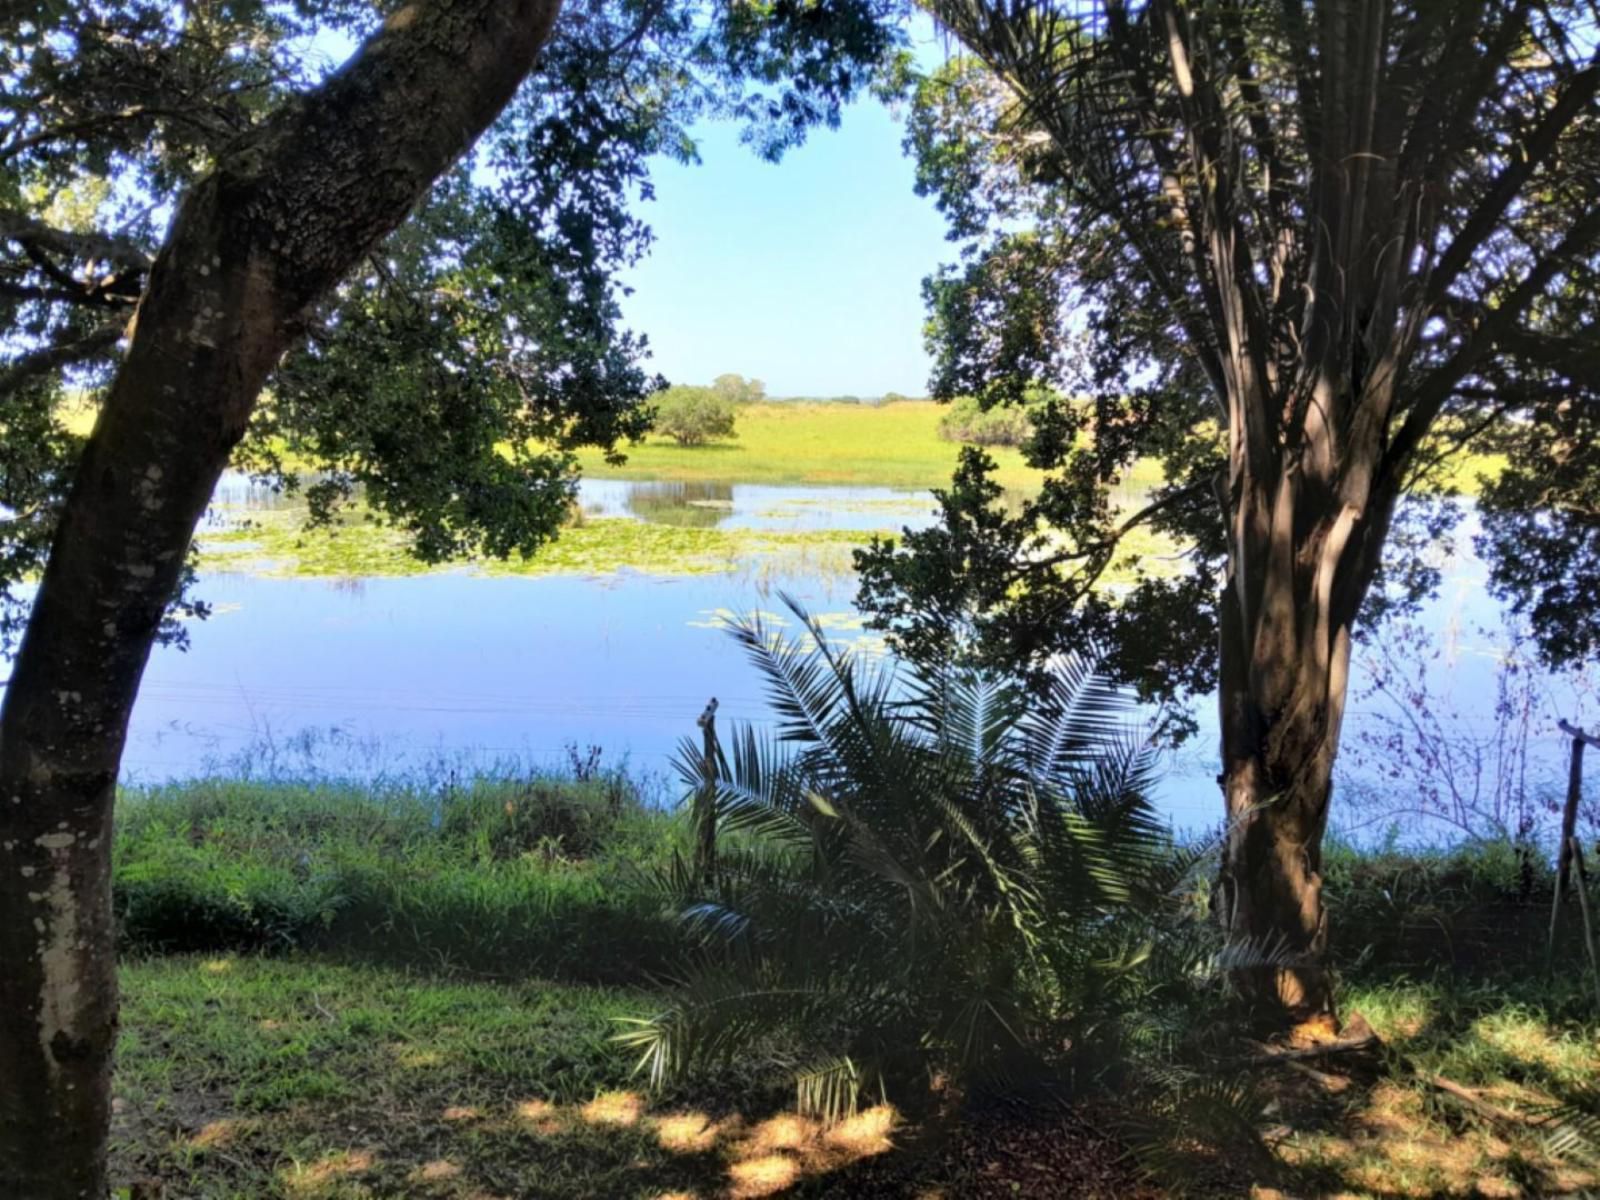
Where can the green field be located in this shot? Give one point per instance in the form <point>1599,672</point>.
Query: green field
<point>820,442</point>
<point>886,445</point>
<point>796,443</point>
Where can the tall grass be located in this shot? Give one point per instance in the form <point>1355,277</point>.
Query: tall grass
<point>500,874</point>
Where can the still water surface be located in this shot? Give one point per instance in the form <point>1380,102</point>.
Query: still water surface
<point>397,674</point>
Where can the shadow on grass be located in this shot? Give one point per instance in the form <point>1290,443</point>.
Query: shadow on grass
<point>1456,1105</point>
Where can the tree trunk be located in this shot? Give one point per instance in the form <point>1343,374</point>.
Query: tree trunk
<point>1276,793</point>
<point>271,231</point>
<point>1285,621</point>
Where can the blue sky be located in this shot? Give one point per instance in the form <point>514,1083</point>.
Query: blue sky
<point>806,273</point>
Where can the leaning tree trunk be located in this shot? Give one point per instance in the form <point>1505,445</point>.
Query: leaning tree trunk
<point>283,217</point>
<point>1286,619</point>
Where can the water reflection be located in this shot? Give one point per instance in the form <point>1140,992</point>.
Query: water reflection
<point>779,508</point>
<point>686,505</point>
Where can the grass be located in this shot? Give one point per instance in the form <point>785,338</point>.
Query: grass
<point>893,445</point>
<point>409,988</point>
<point>1442,953</point>
<point>886,445</point>
<point>1515,1044</point>
<point>249,1077</point>
<point>500,875</point>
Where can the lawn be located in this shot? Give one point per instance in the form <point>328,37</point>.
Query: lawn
<point>411,988</point>
<point>243,1076</point>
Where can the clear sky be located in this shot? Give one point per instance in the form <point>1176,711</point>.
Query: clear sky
<point>805,274</point>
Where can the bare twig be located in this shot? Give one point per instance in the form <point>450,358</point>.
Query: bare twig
<point>1474,1101</point>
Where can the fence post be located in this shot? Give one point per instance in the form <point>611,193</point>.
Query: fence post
<point>1569,829</point>
<point>705,809</point>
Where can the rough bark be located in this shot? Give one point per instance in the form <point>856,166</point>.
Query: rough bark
<point>1286,623</point>
<point>1270,901</point>
<point>284,216</point>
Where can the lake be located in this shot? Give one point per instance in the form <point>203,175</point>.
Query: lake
<point>458,670</point>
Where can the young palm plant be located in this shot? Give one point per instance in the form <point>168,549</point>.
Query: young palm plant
<point>922,874</point>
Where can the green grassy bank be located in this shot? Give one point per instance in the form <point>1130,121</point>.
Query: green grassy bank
<point>894,445</point>
<point>886,445</point>
<point>410,989</point>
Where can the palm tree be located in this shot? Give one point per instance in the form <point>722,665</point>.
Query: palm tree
<point>922,873</point>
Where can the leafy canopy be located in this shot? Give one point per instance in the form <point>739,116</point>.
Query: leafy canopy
<point>693,416</point>
<point>739,389</point>
<point>1161,209</point>
<point>453,375</point>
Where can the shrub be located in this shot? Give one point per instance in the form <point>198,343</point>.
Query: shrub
<point>175,894</point>
<point>967,421</point>
<point>739,389</point>
<point>547,817</point>
<point>1467,906</point>
<point>692,416</point>
<point>918,880</point>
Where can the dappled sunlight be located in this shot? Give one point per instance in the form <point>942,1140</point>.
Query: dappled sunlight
<point>1319,1029</point>
<point>1391,1109</point>
<point>613,1108</point>
<point>686,1133</point>
<point>462,1112</point>
<point>437,1171</point>
<point>217,966</point>
<point>786,1131</point>
<point>1533,1041</point>
<point>216,1134</point>
<point>779,1150</point>
<point>1400,1014</point>
<point>541,1117</point>
<point>864,1134</point>
<point>762,1176</point>
<point>1403,1141</point>
<point>414,1058</point>
<point>305,1180</point>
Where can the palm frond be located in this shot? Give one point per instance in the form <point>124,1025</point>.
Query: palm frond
<point>1572,1125</point>
<point>921,872</point>
<point>831,1089</point>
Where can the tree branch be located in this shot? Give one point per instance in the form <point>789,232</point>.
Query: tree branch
<point>25,230</point>
<point>1509,183</point>
<point>52,358</point>
<point>1496,324</point>
<point>1108,544</point>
